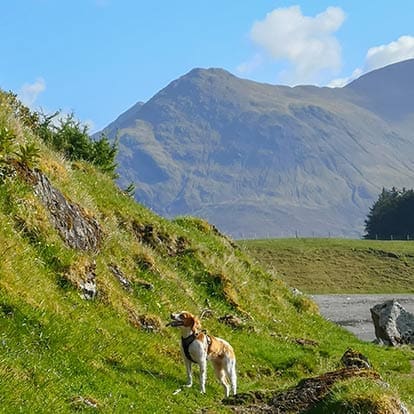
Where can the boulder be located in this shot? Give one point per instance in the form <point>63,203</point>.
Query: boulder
<point>393,324</point>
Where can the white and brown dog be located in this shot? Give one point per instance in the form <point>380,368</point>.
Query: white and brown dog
<point>197,347</point>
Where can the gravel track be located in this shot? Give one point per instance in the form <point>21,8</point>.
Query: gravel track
<point>353,311</point>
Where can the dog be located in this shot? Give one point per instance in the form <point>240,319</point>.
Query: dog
<point>197,347</point>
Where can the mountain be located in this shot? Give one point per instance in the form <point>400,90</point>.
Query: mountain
<point>261,160</point>
<point>388,92</point>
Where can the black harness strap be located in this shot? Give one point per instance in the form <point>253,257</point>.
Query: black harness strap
<point>186,342</point>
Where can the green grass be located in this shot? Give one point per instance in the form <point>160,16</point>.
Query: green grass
<point>338,265</point>
<point>62,354</point>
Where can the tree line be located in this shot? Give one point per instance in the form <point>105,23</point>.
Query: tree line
<point>64,134</point>
<point>392,216</point>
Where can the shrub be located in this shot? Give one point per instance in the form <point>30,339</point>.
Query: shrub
<point>28,154</point>
<point>7,138</point>
<point>71,138</point>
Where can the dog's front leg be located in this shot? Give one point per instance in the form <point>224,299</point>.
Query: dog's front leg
<point>188,368</point>
<point>203,375</point>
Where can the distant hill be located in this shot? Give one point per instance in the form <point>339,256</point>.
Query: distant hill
<point>261,160</point>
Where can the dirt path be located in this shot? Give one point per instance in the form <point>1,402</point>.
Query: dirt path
<point>352,311</point>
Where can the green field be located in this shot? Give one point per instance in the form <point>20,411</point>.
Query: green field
<point>61,353</point>
<point>338,265</point>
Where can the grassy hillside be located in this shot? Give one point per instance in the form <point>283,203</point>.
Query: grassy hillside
<point>61,353</point>
<point>338,265</point>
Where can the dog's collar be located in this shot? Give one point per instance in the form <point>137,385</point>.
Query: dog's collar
<point>186,342</point>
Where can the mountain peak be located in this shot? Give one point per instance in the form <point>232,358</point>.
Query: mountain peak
<point>203,72</point>
<point>388,91</point>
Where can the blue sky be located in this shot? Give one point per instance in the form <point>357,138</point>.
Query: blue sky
<point>99,57</point>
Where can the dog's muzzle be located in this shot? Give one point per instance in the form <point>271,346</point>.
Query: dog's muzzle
<point>175,322</point>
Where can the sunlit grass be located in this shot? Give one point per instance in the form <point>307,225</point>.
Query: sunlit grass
<point>338,265</point>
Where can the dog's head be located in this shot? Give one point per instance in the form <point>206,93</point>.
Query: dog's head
<point>184,319</point>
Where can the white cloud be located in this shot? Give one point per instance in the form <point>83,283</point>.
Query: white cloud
<point>307,43</point>
<point>379,56</point>
<point>29,92</point>
<point>340,82</point>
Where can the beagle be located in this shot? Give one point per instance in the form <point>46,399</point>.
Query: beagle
<point>197,347</point>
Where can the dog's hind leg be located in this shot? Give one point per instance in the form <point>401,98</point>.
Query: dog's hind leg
<point>231,372</point>
<point>222,377</point>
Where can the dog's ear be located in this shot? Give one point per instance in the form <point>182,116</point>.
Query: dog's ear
<point>197,324</point>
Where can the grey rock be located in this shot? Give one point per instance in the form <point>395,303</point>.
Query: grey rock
<point>88,286</point>
<point>75,226</point>
<point>119,274</point>
<point>393,324</point>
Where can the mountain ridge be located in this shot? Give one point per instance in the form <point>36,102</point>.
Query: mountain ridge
<point>289,160</point>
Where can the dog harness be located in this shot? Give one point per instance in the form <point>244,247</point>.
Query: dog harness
<point>186,342</point>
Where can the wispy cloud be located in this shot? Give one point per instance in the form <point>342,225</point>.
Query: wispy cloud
<point>29,92</point>
<point>307,43</point>
<point>340,82</point>
<point>380,56</point>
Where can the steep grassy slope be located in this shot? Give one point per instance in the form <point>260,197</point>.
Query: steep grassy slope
<point>338,266</point>
<point>61,353</point>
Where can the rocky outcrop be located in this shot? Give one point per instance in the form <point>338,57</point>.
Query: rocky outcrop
<point>148,323</point>
<point>354,359</point>
<point>88,285</point>
<point>308,393</point>
<point>311,392</point>
<point>393,324</point>
<point>125,282</point>
<point>231,320</point>
<point>77,228</point>
<point>161,240</point>
<point>119,274</point>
